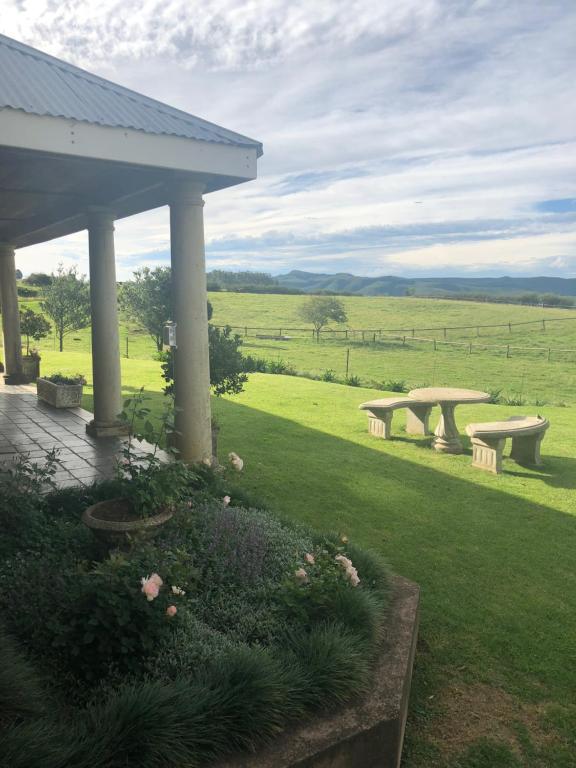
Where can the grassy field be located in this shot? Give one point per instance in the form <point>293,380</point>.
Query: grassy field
<point>495,673</point>
<point>525,373</point>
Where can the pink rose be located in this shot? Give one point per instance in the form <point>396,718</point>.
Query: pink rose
<point>226,500</point>
<point>150,588</point>
<point>309,558</point>
<point>301,576</point>
<point>344,561</point>
<point>352,574</point>
<point>236,462</point>
<point>156,579</point>
<point>171,611</point>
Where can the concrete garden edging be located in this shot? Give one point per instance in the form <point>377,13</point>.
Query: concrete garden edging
<point>369,732</point>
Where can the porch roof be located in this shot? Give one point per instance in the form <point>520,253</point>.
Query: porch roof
<point>70,140</point>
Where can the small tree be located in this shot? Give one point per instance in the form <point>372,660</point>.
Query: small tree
<point>41,279</point>
<point>147,300</point>
<point>34,326</point>
<point>67,302</point>
<point>319,310</point>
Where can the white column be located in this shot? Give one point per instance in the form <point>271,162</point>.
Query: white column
<point>10,316</point>
<point>105,342</point>
<point>189,304</point>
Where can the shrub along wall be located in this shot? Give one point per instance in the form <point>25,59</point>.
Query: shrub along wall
<point>256,623</point>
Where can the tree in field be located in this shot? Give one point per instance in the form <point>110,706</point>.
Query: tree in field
<point>34,326</point>
<point>320,310</point>
<point>67,302</point>
<point>41,279</point>
<point>147,300</point>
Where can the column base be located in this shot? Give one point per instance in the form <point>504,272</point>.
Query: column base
<point>16,378</point>
<point>116,429</point>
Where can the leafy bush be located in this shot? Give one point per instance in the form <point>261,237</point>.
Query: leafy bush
<point>353,381</point>
<point>227,366</point>
<point>495,396</point>
<point>61,378</point>
<point>26,293</point>
<point>23,485</point>
<point>255,364</point>
<point>394,385</point>
<point>21,694</point>
<point>329,375</point>
<point>281,367</point>
<point>247,647</point>
<point>515,399</point>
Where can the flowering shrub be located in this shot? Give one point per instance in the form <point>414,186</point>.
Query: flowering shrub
<point>325,585</point>
<point>220,631</point>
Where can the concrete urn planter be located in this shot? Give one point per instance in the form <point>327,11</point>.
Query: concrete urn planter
<point>59,395</point>
<point>115,522</point>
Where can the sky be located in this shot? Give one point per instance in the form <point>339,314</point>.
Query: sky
<point>412,137</point>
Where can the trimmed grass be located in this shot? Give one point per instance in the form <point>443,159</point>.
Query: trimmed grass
<point>495,672</point>
<point>526,373</point>
<point>494,676</point>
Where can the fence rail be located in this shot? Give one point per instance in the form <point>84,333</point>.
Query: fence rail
<point>543,322</point>
<point>406,335</point>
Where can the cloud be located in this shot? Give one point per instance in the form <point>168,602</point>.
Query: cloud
<point>437,122</point>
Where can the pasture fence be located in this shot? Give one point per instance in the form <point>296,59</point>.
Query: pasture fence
<point>411,336</point>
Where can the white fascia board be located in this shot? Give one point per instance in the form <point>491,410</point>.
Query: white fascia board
<point>63,136</point>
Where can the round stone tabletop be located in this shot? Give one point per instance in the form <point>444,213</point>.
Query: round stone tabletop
<point>449,395</point>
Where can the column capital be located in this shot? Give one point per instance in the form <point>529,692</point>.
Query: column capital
<point>185,192</point>
<point>99,217</point>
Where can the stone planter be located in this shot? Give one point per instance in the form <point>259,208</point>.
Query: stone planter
<point>30,367</point>
<point>368,733</point>
<point>59,395</point>
<point>114,522</point>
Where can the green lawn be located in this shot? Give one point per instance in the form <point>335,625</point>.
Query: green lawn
<point>495,673</point>
<point>526,372</point>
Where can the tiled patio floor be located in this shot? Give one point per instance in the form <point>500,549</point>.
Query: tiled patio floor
<point>31,427</point>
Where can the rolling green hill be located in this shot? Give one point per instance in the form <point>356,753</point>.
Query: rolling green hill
<point>426,286</point>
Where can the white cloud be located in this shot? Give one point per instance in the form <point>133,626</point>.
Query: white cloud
<point>446,111</point>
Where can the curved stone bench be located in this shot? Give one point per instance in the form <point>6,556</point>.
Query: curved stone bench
<point>488,439</point>
<point>380,414</point>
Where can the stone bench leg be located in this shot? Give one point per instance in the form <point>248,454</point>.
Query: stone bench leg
<point>487,454</point>
<point>417,418</point>
<point>526,450</point>
<point>380,426</point>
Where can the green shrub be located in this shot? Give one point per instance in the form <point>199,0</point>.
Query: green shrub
<point>334,663</point>
<point>60,378</point>
<point>281,367</point>
<point>255,364</point>
<point>353,381</point>
<point>495,396</point>
<point>250,648</point>
<point>514,399</point>
<point>244,547</point>
<point>23,484</point>
<point>329,375</point>
<point>21,693</point>
<point>394,385</point>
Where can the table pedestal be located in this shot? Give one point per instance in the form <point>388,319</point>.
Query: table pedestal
<point>446,436</point>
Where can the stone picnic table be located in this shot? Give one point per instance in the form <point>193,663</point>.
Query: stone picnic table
<point>446,435</point>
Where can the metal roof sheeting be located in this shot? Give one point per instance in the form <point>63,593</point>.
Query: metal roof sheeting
<point>43,85</point>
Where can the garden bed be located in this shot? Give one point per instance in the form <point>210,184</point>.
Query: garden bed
<point>227,630</point>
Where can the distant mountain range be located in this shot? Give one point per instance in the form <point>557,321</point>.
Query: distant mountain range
<point>388,285</point>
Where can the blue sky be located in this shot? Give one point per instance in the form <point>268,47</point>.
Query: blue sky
<point>419,137</point>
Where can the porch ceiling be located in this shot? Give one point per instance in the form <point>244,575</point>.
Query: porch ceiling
<point>45,195</point>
